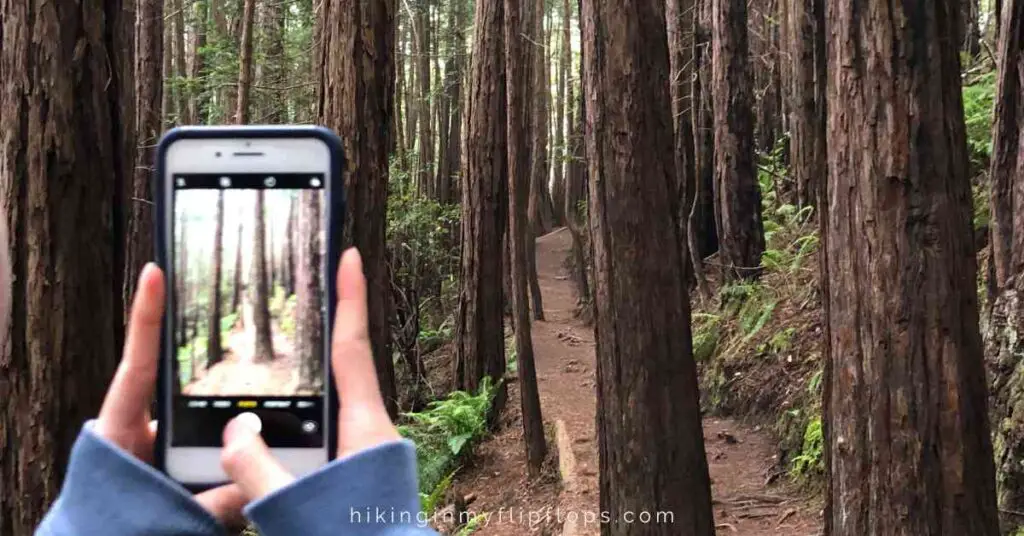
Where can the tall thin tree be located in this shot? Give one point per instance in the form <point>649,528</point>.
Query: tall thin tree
<point>480,338</point>
<point>213,346</point>
<point>650,440</point>
<point>357,82</point>
<point>741,231</point>
<point>517,74</point>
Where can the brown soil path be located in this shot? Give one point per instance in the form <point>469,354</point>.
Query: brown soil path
<point>739,457</point>
<point>238,374</point>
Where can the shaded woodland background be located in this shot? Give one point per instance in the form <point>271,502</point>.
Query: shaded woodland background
<point>797,212</point>
<point>249,302</point>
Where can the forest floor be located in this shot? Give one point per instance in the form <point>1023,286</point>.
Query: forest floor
<point>740,457</point>
<point>238,374</point>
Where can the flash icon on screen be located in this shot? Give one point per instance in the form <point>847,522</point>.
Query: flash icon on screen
<point>314,182</point>
<point>225,182</point>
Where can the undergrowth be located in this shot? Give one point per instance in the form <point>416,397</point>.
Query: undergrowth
<point>758,341</point>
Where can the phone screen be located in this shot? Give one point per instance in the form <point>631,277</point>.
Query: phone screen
<point>248,323</point>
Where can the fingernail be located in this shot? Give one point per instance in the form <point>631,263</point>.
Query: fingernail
<point>251,421</point>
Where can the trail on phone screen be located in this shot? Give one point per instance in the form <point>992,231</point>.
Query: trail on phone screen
<point>239,374</point>
<point>740,457</point>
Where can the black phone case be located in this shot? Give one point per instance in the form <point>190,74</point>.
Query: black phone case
<point>336,221</point>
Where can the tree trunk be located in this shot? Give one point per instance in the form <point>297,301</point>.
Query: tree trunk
<point>704,218</point>
<point>264,347</point>
<point>561,149</point>
<point>480,338</point>
<point>764,73</point>
<point>149,58</point>
<point>907,427</point>
<point>1007,167</point>
<point>1006,368</point>
<point>236,293</point>
<point>451,155</point>
<point>309,324</point>
<point>426,137</point>
<point>180,67</point>
<point>275,66</point>
<point>357,83</point>
<point>400,146</point>
<point>199,100</point>
<point>576,193</point>
<point>806,110</point>
<point>650,440</point>
<point>680,23</point>
<point>245,68</point>
<point>183,270</point>
<point>289,249</point>
<point>739,198</point>
<point>517,73</point>
<point>166,100</point>
<point>541,212</point>
<point>213,347</point>
<point>62,175</point>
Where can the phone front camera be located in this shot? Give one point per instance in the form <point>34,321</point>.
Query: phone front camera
<point>217,154</point>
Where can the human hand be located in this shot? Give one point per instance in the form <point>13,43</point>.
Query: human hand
<point>363,420</point>
<point>124,419</point>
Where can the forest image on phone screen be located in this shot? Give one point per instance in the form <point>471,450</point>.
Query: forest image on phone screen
<point>248,291</point>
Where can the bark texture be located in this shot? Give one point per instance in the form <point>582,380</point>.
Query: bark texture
<point>1007,167</point>
<point>357,81</point>
<point>648,415</point>
<point>907,426</point>
<point>738,196</point>
<point>517,73</point>
<point>64,164</point>
<point>480,339</point>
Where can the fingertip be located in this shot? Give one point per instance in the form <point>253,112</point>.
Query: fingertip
<point>149,298</point>
<point>351,280</point>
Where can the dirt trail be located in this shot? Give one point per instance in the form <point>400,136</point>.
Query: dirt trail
<point>739,457</point>
<point>238,373</point>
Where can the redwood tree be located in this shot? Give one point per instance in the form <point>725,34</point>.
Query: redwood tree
<point>149,54</point>
<point>213,347</point>
<point>650,440</point>
<point>741,232</point>
<point>357,83</point>
<point>480,338</point>
<point>1003,345</point>
<point>309,328</point>
<point>517,70</point>
<point>62,178</point>
<point>906,421</point>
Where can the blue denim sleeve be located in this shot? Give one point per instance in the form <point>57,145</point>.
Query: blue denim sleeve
<point>371,493</point>
<point>108,491</point>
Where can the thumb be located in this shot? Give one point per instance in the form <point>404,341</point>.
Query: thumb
<point>247,460</point>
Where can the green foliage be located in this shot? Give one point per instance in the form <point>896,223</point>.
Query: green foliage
<point>472,525</point>
<point>430,501</point>
<point>980,199</point>
<point>433,337</point>
<point>810,459</point>
<point>979,102</point>
<point>227,322</point>
<point>444,431</point>
<point>780,342</point>
<point>511,355</point>
<point>287,318</point>
<point>707,330</point>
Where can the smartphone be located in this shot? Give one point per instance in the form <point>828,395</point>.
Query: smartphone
<point>248,230</point>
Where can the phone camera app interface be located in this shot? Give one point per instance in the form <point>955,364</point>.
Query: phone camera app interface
<point>248,294</point>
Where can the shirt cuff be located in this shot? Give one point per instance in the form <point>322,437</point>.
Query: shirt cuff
<point>370,493</point>
<point>108,491</point>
